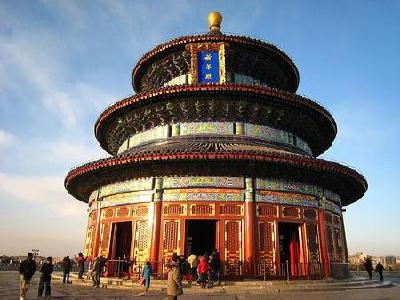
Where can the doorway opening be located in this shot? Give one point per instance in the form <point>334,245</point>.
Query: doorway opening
<point>289,248</point>
<point>200,237</point>
<point>121,240</point>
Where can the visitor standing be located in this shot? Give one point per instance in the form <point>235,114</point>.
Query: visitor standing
<point>80,259</point>
<point>26,270</point>
<point>215,265</point>
<point>174,282</point>
<point>97,269</point>
<point>379,268</point>
<point>368,266</point>
<point>45,278</point>
<point>193,262</point>
<point>146,273</point>
<point>203,269</point>
<point>67,267</point>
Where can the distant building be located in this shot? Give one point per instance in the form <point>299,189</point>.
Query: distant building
<point>390,260</point>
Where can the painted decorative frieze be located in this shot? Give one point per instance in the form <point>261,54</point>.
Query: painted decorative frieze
<point>206,128</point>
<point>126,186</point>
<point>265,132</point>
<point>300,143</point>
<point>158,132</point>
<point>127,198</point>
<point>203,195</point>
<point>288,186</point>
<point>223,182</point>
<point>332,196</point>
<point>286,198</point>
<point>329,205</point>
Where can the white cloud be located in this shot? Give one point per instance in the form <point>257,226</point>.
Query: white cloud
<point>6,138</point>
<point>43,191</point>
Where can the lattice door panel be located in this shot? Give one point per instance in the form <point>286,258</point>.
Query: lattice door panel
<point>337,235</point>
<point>312,243</point>
<point>266,246</point>
<point>142,241</point>
<point>105,234</point>
<point>89,240</point>
<point>329,243</point>
<point>233,246</point>
<point>171,237</point>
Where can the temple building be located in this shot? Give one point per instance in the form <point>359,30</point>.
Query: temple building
<point>215,150</point>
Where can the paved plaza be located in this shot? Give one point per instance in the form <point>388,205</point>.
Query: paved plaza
<point>9,290</point>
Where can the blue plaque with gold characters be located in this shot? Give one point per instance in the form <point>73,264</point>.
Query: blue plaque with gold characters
<point>208,66</point>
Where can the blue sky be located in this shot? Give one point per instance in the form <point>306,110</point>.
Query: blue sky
<point>63,62</point>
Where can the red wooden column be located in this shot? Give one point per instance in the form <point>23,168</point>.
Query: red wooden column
<point>323,243</point>
<point>155,236</point>
<point>249,227</point>
<point>97,239</point>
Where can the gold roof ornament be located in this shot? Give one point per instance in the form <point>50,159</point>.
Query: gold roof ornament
<point>214,21</point>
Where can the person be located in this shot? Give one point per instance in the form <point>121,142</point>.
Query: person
<point>126,266</point>
<point>193,262</point>
<point>379,268</point>
<point>368,266</point>
<point>215,265</point>
<point>45,277</point>
<point>202,269</point>
<point>26,270</point>
<point>146,273</point>
<point>80,259</point>
<point>98,266</point>
<point>174,282</point>
<point>67,267</point>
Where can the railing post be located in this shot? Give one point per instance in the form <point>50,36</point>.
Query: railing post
<point>287,271</point>
<point>265,270</point>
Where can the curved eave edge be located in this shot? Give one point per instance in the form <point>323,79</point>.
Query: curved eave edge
<point>181,90</point>
<point>182,41</point>
<point>288,160</point>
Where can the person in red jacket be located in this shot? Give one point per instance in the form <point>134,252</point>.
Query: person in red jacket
<point>202,270</point>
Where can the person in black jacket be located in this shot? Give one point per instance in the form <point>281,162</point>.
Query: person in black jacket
<point>45,277</point>
<point>368,267</point>
<point>67,267</point>
<point>379,268</point>
<point>26,269</point>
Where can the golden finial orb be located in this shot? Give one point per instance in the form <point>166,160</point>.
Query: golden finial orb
<point>214,21</point>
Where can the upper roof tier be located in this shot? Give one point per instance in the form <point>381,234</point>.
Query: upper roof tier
<point>243,56</point>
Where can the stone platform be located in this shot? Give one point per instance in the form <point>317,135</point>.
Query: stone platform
<point>357,288</point>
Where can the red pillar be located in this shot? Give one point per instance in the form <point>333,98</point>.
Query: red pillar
<point>323,243</point>
<point>155,236</point>
<point>96,241</point>
<point>249,227</point>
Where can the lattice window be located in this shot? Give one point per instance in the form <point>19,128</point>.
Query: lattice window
<point>123,212</point>
<point>142,235</point>
<point>93,217</point>
<point>201,209</point>
<point>230,209</point>
<point>109,213</point>
<point>290,212</point>
<point>310,214</point>
<point>328,217</point>
<point>267,210</point>
<point>173,209</point>
<point>171,234</point>
<point>336,220</point>
<point>142,210</point>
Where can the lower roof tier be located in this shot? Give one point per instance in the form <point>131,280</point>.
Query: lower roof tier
<point>217,159</point>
